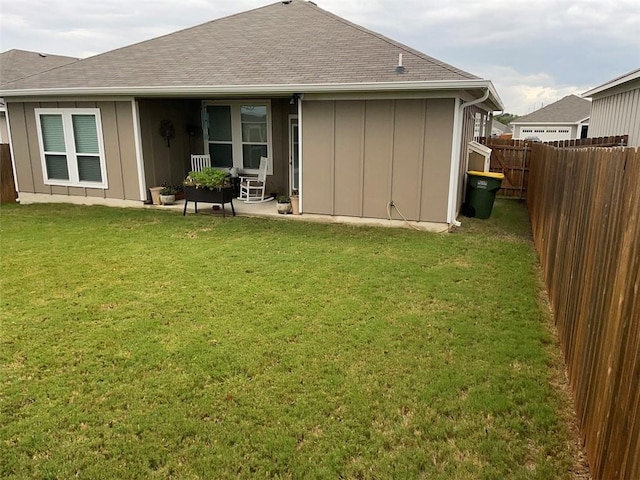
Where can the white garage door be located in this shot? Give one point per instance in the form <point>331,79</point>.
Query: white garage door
<point>547,134</point>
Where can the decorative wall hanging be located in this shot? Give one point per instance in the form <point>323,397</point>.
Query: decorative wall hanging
<point>167,131</point>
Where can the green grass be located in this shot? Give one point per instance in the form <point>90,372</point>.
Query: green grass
<point>144,344</point>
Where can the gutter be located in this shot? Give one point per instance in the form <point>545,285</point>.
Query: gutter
<point>248,90</point>
<point>455,155</point>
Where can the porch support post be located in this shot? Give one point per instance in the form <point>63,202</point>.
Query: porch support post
<point>139,158</point>
<point>300,160</point>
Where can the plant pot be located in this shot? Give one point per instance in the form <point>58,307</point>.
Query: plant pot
<point>295,204</point>
<point>167,199</point>
<point>284,208</point>
<point>155,195</point>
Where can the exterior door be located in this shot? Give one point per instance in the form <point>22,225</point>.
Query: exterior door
<point>294,154</point>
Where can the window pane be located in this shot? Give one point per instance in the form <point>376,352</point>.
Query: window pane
<point>89,169</point>
<point>253,113</point>
<point>52,133</point>
<point>254,123</point>
<point>219,123</point>
<point>251,155</point>
<point>85,133</point>
<point>254,132</point>
<point>57,167</point>
<point>221,155</point>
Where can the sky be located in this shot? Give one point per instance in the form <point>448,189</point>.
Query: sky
<point>534,51</point>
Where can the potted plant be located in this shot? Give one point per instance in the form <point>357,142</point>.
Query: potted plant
<point>284,204</point>
<point>168,195</point>
<point>209,185</point>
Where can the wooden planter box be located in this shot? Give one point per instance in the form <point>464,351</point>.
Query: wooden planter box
<point>204,195</point>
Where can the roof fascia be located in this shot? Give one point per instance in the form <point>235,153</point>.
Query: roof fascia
<point>575,122</point>
<point>242,90</point>
<point>614,83</point>
<point>74,98</point>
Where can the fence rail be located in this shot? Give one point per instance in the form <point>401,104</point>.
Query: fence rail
<point>584,206</point>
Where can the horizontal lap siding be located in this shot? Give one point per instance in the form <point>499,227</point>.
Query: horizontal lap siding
<point>119,146</point>
<point>359,155</point>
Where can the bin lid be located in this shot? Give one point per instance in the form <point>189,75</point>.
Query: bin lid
<point>475,173</point>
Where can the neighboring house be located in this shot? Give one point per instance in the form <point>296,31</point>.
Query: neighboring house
<point>359,124</point>
<point>616,108</point>
<point>566,119</point>
<point>16,64</point>
<point>498,128</point>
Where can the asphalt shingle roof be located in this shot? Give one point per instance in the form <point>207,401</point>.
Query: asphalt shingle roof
<point>283,43</point>
<point>570,109</point>
<point>16,64</point>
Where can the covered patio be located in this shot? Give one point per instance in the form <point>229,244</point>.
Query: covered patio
<point>234,131</point>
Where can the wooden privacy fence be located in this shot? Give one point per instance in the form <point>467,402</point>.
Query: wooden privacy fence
<point>7,185</point>
<point>584,206</point>
<point>511,158</point>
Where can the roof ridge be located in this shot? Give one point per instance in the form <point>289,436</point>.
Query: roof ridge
<point>388,40</point>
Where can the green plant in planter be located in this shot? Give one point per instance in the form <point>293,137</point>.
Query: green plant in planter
<point>284,204</point>
<point>208,177</point>
<point>168,190</point>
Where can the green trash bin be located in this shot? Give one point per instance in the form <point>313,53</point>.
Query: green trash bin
<point>481,193</point>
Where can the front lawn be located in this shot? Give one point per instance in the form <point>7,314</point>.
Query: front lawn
<point>144,344</point>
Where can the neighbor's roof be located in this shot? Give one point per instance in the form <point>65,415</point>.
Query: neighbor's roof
<point>622,79</point>
<point>570,109</point>
<point>16,64</point>
<point>286,43</point>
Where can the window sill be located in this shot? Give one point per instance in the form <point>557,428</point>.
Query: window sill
<point>97,186</point>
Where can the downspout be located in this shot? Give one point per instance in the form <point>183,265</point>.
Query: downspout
<point>300,162</point>
<point>458,119</point>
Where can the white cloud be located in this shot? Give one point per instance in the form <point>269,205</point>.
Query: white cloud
<point>524,93</point>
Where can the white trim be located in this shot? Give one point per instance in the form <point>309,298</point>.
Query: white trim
<point>13,157</point>
<point>290,122</point>
<point>300,206</point>
<point>261,90</point>
<point>550,123</point>
<point>142,183</point>
<point>71,154</point>
<point>236,131</point>
<point>613,83</point>
<point>456,140</point>
<point>50,99</point>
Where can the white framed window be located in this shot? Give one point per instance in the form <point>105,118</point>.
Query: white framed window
<point>71,147</point>
<point>238,133</point>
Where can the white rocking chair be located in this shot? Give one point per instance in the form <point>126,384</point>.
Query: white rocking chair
<point>198,162</point>
<point>252,187</point>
